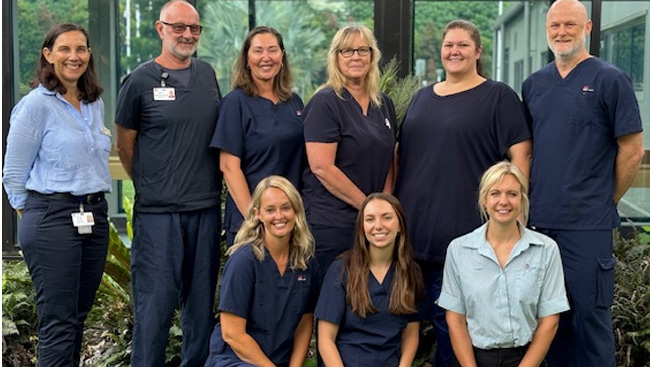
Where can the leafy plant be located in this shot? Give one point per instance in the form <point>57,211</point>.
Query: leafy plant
<point>631,308</point>
<point>19,322</point>
<point>400,90</point>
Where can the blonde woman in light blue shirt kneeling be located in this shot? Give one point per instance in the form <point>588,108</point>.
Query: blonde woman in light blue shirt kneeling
<point>503,284</point>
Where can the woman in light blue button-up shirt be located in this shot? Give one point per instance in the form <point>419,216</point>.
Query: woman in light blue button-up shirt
<point>503,285</point>
<point>55,175</point>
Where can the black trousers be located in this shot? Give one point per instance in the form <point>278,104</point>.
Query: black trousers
<point>498,357</point>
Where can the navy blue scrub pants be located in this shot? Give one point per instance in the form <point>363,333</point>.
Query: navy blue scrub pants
<point>330,242</point>
<point>432,276</point>
<point>584,337</point>
<point>66,268</point>
<point>174,258</point>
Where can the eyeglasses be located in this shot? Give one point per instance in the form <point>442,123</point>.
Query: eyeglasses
<point>361,51</point>
<point>179,28</point>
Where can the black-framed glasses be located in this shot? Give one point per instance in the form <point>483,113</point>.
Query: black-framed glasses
<point>179,28</point>
<point>361,51</point>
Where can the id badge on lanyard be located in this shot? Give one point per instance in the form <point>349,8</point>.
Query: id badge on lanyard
<point>164,93</point>
<point>83,221</point>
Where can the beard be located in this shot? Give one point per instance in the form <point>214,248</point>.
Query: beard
<point>577,46</point>
<point>178,48</point>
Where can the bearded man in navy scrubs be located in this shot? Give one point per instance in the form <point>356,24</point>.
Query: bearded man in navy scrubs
<point>587,147</point>
<point>166,114</point>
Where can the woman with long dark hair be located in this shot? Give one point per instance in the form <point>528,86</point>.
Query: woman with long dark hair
<point>367,311</point>
<point>56,174</point>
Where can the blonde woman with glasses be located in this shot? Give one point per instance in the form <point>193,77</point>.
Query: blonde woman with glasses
<point>350,141</point>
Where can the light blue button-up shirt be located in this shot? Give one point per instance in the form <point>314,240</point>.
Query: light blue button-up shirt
<point>52,147</point>
<point>502,305</point>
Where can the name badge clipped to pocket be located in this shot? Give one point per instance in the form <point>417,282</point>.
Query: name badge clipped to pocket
<point>164,94</point>
<point>83,221</point>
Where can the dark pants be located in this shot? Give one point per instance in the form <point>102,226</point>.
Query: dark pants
<point>584,337</point>
<point>330,242</point>
<point>432,275</point>
<point>498,357</point>
<point>175,257</point>
<point>66,268</point>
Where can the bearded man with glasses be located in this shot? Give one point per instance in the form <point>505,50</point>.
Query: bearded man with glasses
<point>166,113</point>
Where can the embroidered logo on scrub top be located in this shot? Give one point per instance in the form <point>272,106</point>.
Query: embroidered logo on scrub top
<point>586,89</point>
<point>387,123</point>
<point>301,278</point>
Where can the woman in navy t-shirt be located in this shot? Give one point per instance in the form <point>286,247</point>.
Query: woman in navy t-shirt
<point>452,132</point>
<point>350,140</point>
<point>368,307</point>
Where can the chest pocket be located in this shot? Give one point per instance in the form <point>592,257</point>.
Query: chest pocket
<point>585,107</point>
<point>528,282</point>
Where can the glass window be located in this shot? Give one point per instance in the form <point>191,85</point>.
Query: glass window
<point>519,72</point>
<point>624,43</point>
<point>137,43</point>
<point>35,18</point>
<point>520,31</point>
<point>624,46</point>
<point>138,40</point>
<point>429,22</point>
<point>307,28</point>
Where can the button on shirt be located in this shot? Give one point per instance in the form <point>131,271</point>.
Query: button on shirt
<point>502,305</point>
<point>52,147</point>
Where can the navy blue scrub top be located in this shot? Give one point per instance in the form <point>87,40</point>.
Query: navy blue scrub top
<point>366,145</point>
<point>271,304</point>
<point>267,137</point>
<point>173,168</point>
<point>575,122</point>
<point>372,341</point>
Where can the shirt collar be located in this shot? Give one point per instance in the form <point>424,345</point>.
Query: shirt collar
<point>56,94</point>
<point>478,240</point>
<point>41,88</point>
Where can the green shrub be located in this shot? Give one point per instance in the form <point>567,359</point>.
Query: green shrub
<point>631,309</point>
<point>19,322</point>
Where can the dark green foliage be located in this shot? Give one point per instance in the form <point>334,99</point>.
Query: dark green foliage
<point>631,309</point>
<point>19,323</point>
<point>35,18</point>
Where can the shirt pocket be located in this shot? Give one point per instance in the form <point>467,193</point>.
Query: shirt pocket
<point>103,144</point>
<point>528,283</point>
<point>585,107</point>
